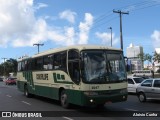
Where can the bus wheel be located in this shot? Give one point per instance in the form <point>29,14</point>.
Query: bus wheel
<point>26,93</point>
<point>64,99</point>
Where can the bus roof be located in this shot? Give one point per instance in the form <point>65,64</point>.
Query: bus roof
<point>79,47</point>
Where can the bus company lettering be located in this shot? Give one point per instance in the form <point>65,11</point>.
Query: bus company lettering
<point>42,76</point>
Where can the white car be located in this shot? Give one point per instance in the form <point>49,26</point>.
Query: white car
<point>133,82</point>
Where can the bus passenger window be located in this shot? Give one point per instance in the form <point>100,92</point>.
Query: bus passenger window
<point>46,63</point>
<point>19,66</point>
<point>38,64</point>
<point>59,61</point>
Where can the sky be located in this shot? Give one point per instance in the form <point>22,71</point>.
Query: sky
<point>58,23</point>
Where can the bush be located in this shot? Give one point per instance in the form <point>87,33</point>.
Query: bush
<point>158,71</point>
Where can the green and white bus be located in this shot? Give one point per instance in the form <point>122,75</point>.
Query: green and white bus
<point>85,75</point>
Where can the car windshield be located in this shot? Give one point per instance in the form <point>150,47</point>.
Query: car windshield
<point>103,67</point>
<point>138,80</point>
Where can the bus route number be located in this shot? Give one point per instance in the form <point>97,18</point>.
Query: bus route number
<point>95,87</point>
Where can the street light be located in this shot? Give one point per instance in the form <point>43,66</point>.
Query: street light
<point>111,34</point>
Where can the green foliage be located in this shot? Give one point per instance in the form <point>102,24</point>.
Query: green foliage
<point>145,57</point>
<point>10,66</point>
<point>156,57</point>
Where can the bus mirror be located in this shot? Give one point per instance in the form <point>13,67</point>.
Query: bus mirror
<point>127,68</point>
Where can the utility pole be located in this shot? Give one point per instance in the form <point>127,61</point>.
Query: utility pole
<point>4,59</point>
<point>111,34</point>
<point>120,13</point>
<point>37,44</point>
<point>4,65</point>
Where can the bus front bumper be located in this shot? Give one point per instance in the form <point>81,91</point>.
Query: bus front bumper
<point>89,100</point>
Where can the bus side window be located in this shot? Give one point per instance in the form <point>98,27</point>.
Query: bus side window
<point>19,66</point>
<point>23,66</point>
<point>59,61</point>
<point>29,64</point>
<point>47,62</point>
<point>38,63</point>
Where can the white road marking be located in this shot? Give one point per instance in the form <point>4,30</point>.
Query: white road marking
<point>8,96</point>
<point>67,118</point>
<point>130,109</point>
<point>26,102</point>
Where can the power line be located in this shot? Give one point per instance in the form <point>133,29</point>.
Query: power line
<point>132,7</point>
<point>102,19</point>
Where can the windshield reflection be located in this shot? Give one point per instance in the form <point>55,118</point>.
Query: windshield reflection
<point>103,67</point>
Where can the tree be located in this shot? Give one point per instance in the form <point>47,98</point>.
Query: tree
<point>8,67</point>
<point>156,58</point>
<point>141,56</point>
<point>145,57</point>
<point>148,57</point>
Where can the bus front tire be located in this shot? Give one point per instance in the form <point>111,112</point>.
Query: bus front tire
<point>64,99</point>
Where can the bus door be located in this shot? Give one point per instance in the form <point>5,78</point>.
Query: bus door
<point>74,73</point>
<point>73,66</point>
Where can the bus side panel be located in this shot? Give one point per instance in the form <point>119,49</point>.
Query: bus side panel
<point>46,91</point>
<point>20,85</point>
<point>54,93</point>
<point>74,96</point>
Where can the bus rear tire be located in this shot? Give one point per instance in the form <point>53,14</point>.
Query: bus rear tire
<point>26,93</point>
<point>64,99</point>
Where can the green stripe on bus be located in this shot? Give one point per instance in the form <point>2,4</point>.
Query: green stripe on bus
<point>58,77</point>
<point>29,77</point>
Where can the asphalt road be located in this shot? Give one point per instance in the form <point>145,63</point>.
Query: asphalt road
<point>13,100</point>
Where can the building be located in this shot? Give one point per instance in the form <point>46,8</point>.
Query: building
<point>134,51</point>
<point>132,54</point>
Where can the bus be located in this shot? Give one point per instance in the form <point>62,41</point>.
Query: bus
<point>143,73</point>
<point>84,75</point>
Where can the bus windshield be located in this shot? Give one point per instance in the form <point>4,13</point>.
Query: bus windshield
<point>103,67</point>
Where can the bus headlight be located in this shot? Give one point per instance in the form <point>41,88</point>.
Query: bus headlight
<point>90,93</point>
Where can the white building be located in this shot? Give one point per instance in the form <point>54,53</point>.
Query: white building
<point>136,64</point>
<point>134,51</point>
<point>132,54</point>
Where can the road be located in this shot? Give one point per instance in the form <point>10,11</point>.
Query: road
<point>13,100</point>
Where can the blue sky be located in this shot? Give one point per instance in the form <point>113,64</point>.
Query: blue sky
<point>57,23</point>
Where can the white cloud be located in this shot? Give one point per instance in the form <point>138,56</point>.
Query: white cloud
<point>156,38</point>
<point>20,27</point>
<point>84,28</point>
<point>68,15</point>
<point>106,38</point>
<point>41,5</point>
<point>16,18</point>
